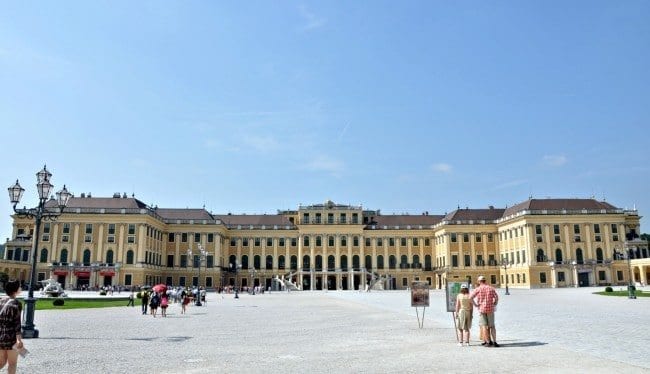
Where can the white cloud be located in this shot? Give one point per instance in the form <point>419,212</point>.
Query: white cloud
<point>441,167</point>
<point>554,160</point>
<point>312,22</point>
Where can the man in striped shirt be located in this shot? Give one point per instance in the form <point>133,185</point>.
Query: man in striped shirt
<point>486,299</point>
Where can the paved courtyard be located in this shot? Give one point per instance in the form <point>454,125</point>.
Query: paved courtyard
<point>559,330</point>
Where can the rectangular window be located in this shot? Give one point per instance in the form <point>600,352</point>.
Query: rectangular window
<point>556,229</point>
<point>344,241</point>
<point>490,237</point>
<point>65,238</point>
<point>465,238</point>
<point>614,228</point>
<point>258,242</point>
<point>170,237</point>
<point>615,238</point>
<point>468,260</point>
<point>209,261</point>
<point>479,260</point>
<point>427,242</point>
<point>281,242</point>
<point>184,237</point>
<point>318,218</point>
<point>556,238</point>
<point>477,238</point>
<point>523,255</point>
<point>89,228</point>
<point>269,242</point>
<point>46,228</point>
<point>542,277</point>
<point>492,260</point>
<point>538,229</point>
<point>405,282</point>
<point>597,238</point>
<point>560,276</point>
<point>181,281</point>
<point>183,261</point>
<point>46,238</point>
<point>330,218</point>
<point>294,242</point>
<point>576,238</point>
<point>380,242</point>
<point>88,238</point>
<point>402,242</point>
<point>111,229</point>
<point>305,218</point>
<point>576,229</point>
<point>453,237</point>
<point>130,239</point>
<point>233,242</point>
<point>355,218</point>
<point>602,276</point>
<point>523,278</point>
<point>170,261</point>
<point>415,242</point>
<point>305,241</point>
<point>244,242</point>
<point>197,237</point>
<point>454,261</point>
<point>596,228</point>
<point>344,218</point>
<point>391,242</point>
<point>131,229</point>
<point>538,239</point>
<point>367,242</point>
<point>493,279</point>
<point>66,228</point>
<point>210,237</point>
<point>517,257</point>
<point>111,239</point>
<point>128,279</point>
<point>208,282</point>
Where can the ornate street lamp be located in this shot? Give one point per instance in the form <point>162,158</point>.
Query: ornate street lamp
<point>202,253</point>
<point>40,213</point>
<point>505,264</point>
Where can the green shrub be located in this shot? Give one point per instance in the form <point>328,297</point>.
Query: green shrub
<point>139,295</point>
<point>58,302</point>
<point>102,293</point>
<point>609,289</point>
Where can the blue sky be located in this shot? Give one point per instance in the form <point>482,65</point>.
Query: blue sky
<point>250,107</point>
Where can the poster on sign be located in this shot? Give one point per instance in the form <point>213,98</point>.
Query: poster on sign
<point>420,294</point>
<point>453,289</point>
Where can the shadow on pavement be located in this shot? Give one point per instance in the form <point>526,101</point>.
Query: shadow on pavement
<point>521,344</point>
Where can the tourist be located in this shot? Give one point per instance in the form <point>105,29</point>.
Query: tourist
<point>486,299</point>
<point>10,334</point>
<point>154,303</point>
<point>464,314</point>
<point>164,303</point>
<point>145,301</point>
<point>131,303</point>
<point>186,300</point>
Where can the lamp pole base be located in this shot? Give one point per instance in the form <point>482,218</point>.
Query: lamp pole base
<point>29,333</point>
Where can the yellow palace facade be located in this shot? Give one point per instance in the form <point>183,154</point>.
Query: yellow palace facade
<point>537,243</point>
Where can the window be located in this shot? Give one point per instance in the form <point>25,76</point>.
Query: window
<point>479,260</point>
<point>367,242</point>
<point>380,242</point>
<point>596,228</point>
<point>576,229</point>
<point>453,237</point>
<point>454,261</point>
<point>538,229</point>
<point>560,276</point>
<point>380,262</point>
<point>305,241</point>
<point>490,237</point>
<point>170,261</point>
<point>477,238</point>
<point>542,277</point>
<point>355,241</point>
<point>170,237</point>
<point>343,218</point>
<point>294,242</point>
<point>556,229</point>
<point>619,275</point>
<point>109,256</point>
<point>465,238</point>
<point>614,228</point>
<point>579,257</point>
<point>615,238</point>
<point>391,242</point>
<point>66,228</point>
<point>523,278</point>
<point>210,237</point>
<point>493,279</point>
<point>197,237</point>
<point>402,242</point>
<point>43,255</point>
<point>86,257</point>
<point>415,242</point>
<point>269,242</point>
<point>344,241</point>
<point>111,229</point>
<point>65,238</point>
<point>184,237</point>
<point>128,279</point>
<point>602,276</point>
<point>518,260</point>
<point>319,241</point>
<point>318,218</point>
<point>183,261</point>
<point>355,218</point>
<point>427,242</point>
<point>305,218</point>
<point>88,238</point>
<point>130,239</point>
<point>89,228</point>
<point>281,242</point>
<point>599,255</point>
<point>330,218</point>
<point>131,229</point>
<point>281,262</point>
<point>468,260</point>
<point>244,242</point>
<point>523,256</point>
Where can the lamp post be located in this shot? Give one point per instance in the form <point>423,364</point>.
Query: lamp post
<point>201,254</point>
<point>505,264</point>
<point>253,280</point>
<point>236,266</point>
<point>40,213</point>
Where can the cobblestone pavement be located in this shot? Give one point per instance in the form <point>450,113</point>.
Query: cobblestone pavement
<point>559,330</point>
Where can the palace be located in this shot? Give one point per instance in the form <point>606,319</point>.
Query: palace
<point>120,240</point>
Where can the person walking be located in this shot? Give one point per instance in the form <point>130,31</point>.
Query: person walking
<point>164,303</point>
<point>131,301</point>
<point>11,341</point>
<point>145,301</point>
<point>154,303</point>
<point>464,309</point>
<point>486,299</point>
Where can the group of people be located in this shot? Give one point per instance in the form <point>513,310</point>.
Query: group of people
<point>485,298</point>
<point>152,300</point>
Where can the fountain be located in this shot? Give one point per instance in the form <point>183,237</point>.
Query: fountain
<point>52,288</point>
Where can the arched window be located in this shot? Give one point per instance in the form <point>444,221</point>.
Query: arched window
<point>244,261</point>
<point>86,257</point>
<point>344,241</point>
<point>331,263</point>
<point>355,262</point>
<point>109,256</point>
<point>380,262</point>
<point>269,262</point>
<point>129,257</point>
<point>599,255</point>
<point>403,262</point>
<point>558,256</point>
<point>294,262</point>
<point>427,262</point>
<point>355,241</point>
<point>368,262</point>
<point>64,255</point>
<point>44,255</point>
<point>256,261</point>
<point>281,264</point>
<point>305,262</point>
<point>540,255</point>
<point>305,241</point>
<point>319,263</point>
<point>232,262</point>
<point>344,263</point>
<point>579,258</point>
<point>392,262</point>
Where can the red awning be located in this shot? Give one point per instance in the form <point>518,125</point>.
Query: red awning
<point>82,274</point>
<point>60,272</point>
<point>107,273</point>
